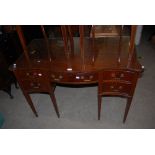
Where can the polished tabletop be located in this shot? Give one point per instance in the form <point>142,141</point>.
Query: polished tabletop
<point>98,54</point>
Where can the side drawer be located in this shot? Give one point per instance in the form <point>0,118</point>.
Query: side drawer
<point>116,87</point>
<point>118,75</point>
<point>35,85</point>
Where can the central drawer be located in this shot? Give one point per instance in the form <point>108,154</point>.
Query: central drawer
<point>74,77</point>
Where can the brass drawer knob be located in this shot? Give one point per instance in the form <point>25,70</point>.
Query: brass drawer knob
<point>120,87</point>
<point>122,75</point>
<point>112,87</point>
<point>82,77</point>
<point>60,76</point>
<point>91,77</point>
<point>57,79</point>
<point>53,76</point>
<point>113,75</point>
<point>27,74</point>
<point>39,74</point>
<point>35,85</point>
<point>87,80</point>
<point>77,77</point>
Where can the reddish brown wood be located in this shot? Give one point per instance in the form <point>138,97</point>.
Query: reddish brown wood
<point>132,41</point>
<point>23,42</point>
<point>33,80</point>
<point>99,106</point>
<point>129,100</point>
<point>90,63</point>
<point>46,40</point>
<point>71,39</point>
<point>117,83</point>
<point>81,31</point>
<point>120,44</point>
<point>54,103</point>
<point>105,31</point>
<point>93,31</point>
<point>29,101</point>
<point>132,44</point>
<point>65,37</point>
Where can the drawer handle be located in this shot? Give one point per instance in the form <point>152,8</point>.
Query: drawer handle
<point>82,77</point>
<point>115,90</point>
<point>117,78</point>
<point>57,79</point>
<point>113,75</point>
<point>77,77</point>
<point>60,77</point>
<point>87,80</point>
<point>120,87</point>
<point>91,77</point>
<point>122,75</point>
<point>36,85</point>
<point>34,74</point>
<point>53,76</point>
<point>112,87</point>
<point>39,74</point>
<point>27,74</point>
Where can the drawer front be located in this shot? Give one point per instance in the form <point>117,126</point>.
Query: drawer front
<point>74,78</point>
<point>34,85</point>
<point>31,74</point>
<point>116,87</point>
<point>118,75</point>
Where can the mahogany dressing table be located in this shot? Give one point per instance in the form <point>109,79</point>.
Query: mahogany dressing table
<point>110,62</point>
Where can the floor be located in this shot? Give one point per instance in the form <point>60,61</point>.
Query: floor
<point>78,106</point>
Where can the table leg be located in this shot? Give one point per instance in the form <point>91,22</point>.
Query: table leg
<point>129,100</point>
<point>99,106</point>
<point>28,98</point>
<point>54,104</point>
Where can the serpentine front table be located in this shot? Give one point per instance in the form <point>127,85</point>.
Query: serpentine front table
<point>106,61</point>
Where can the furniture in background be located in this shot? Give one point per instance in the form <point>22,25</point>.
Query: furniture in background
<point>6,77</point>
<point>110,62</point>
<point>9,52</point>
<point>1,120</point>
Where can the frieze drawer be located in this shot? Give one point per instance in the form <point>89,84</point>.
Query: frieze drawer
<point>118,75</point>
<point>34,85</point>
<point>72,77</point>
<point>31,74</point>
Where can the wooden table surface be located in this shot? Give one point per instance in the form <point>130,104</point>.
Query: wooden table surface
<point>102,55</point>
